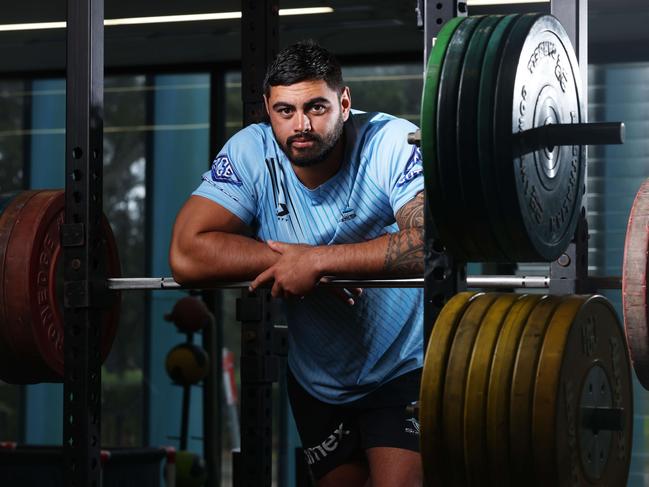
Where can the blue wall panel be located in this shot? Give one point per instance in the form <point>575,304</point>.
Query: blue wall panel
<point>180,155</point>
<point>44,402</point>
<point>626,98</point>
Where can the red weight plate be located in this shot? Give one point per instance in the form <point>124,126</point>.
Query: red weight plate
<point>30,254</point>
<point>635,270</point>
<point>12,205</point>
<point>33,309</point>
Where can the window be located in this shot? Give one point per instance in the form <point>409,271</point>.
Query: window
<point>394,89</point>
<point>125,162</point>
<point>13,106</point>
<point>619,92</point>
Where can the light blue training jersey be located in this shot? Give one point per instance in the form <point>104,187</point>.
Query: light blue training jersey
<point>337,352</point>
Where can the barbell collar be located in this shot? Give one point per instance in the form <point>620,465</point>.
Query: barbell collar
<point>568,134</point>
<point>519,282</point>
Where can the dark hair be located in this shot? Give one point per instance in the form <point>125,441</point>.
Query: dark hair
<point>304,61</point>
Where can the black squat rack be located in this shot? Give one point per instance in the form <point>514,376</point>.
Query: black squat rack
<point>85,289</point>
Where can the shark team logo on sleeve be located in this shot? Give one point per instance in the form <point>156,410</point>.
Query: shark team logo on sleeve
<point>414,167</point>
<point>223,171</point>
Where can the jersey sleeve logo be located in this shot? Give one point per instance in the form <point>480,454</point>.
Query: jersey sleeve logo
<point>414,168</point>
<point>223,171</point>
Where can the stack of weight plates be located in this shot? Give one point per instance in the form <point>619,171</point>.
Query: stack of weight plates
<point>31,287</point>
<point>489,78</point>
<point>526,390</point>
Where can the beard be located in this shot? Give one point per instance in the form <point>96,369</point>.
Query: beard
<point>322,146</point>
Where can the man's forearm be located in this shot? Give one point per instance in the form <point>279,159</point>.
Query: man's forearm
<point>405,253</point>
<point>220,256</point>
<point>399,254</point>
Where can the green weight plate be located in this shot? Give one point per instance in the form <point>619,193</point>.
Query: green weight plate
<point>497,411</point>
<point>485,115</point>
<point>541,192</point>
<point>474,215</point>
<point>449,215</point>
<point>431,439</point>
<point>475,403</point>
<point>429,118</point>
<point>455,388</point>
<point>522,389</point>
<point>584,363</point>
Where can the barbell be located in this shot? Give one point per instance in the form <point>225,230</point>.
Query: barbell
<point>31,288</point>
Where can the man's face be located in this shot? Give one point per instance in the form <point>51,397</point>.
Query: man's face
<point>307,119</point>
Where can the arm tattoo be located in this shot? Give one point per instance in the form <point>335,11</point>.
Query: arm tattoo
<point>405,252</point>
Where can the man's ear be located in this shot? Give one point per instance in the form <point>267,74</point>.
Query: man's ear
<point>266,104</point>
<point>346,102</point>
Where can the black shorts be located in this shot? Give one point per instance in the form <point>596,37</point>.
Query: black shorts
<point>335,434</point>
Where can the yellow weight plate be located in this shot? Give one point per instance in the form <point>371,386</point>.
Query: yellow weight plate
<point>584,363</point>
<point>475,402</point>
<point>432,385</point>
<point>455,386</point>
<point>502,366</point>
<point>522,388</point>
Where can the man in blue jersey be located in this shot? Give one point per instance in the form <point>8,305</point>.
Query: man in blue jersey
<point>321,191</point>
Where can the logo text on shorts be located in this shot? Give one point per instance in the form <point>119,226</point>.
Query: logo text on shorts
<point>320,451</point>
<point>413,428</point>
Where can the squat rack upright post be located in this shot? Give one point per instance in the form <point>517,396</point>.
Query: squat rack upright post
<point>84,275</point>
<point>258,363</point>
<point>443,275</point>
<point>569,273</point>
<point>84,267</point>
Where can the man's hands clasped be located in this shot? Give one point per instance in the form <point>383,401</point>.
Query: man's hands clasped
<point>297,272</point>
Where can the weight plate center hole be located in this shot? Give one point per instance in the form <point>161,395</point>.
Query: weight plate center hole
<point>548,112</point>
<point>595,438</point>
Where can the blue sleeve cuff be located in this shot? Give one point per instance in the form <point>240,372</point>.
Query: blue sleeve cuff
<point>227,200</point>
